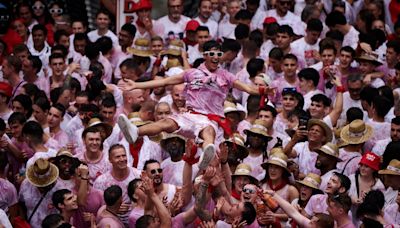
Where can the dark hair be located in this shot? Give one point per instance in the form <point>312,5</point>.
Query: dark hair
<point>114,147</point>
<point>343,200</point>
<point>58,197</point>
<point>372,205</point>
<point>335,18</point>
<point>395,44</point>
<point>30,89</point>
<point>387,92</point>
<point>104,44</point>
<point>202,28</point>
<point>257,37</point>
<point>150,161</point>
<point>326,101</point>
<point>81,36</point>
<point>39,27</point>
<point>92,51</point>
<point>370,223</point>
<point>314,25</point>
<point>144,221</point>
<point>290,56</point>
<point>26,103</point>
<point>34,130</point>
<point>286,29</point>
<point>60,108</point>
<point>56,56</point>
<point>254,66</point>
<point>269,108</point>
<point>59,49</point>
<point>130,28</point>
<point>272,29</point>
<point>198,62</point>
<point>396,120</point>
<point>243,15</point>
<point>309,74</point>
<point>52,221</point>
<point>103,11</point>
<point>112,194</point>
<point>249,213</point>
<point>19,48</point>
<point>367,17</point>
<point>207,46</point>
<point>327,44</point>
<point>108,102</point>
<point>58,34</point>
<point>90,130</point>
<point>15,62</point>
<point>344,181</point>
<point>349,50</point>
<point>391,152</point>
<point>368,93</point>
<point>132,186</point>
<point>129,63</point>
<point>3,158</point>
<point>276,53</point>
<point>381,105</point>
<point>354,113</point>
<point>253,102</point>
<point>325,220</point>
<point>230,45</point>
<point>16,117</point>
<point>335,35</point>
<point>242,31</point>
<point>36,62</point>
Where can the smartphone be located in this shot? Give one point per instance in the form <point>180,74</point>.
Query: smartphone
<point>303,123</point>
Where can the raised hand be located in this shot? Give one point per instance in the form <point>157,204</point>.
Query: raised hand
<point>209,174</point>
<point>126,84</point>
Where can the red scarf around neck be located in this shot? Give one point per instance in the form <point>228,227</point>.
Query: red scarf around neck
<point>134,149</point>
<point>278,187</point>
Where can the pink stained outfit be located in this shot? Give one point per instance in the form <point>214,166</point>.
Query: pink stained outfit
<point>280,84</point>
<point>255,164</point>
<point>392,214</point>
<point>8,194</point>
<point>205,93</point>
<point>62,139</point>
<point>135,214</point>
<point>95,169</point>
<point>107,220</point>
<point>172,171</point>
<point>94,201</point>
<point>317,204</point>
<point>349,163</point>
<point>381,131</point>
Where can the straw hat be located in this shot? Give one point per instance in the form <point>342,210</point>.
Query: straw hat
<point>135,119</point>
<point>325,127</point>
<point>167,136</point>
<point>175,48</point>
<point>356,132</point>
<point>238,141</point>
<point>64,152</point>
<point>42,173</point>
<point>244,170</point>
<point>141,48</point>
<point>329,149</point>
<point>276,150</point>
<point>312,180</point>
<point>392,169</point>
<point>173,62</point>
<point>279,159</point>
<point>260,128</point>
<point>370,57</point>
<point>230,107</point>
<point>96,122</point>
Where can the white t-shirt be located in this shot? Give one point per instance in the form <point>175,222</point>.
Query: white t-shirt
<point>226,29</point>
<point>211,25</point>
<point>94,35</point>
<point>289,19</point>
<point>305,50</point>
<point>194,53</point>
<point>167,26</point>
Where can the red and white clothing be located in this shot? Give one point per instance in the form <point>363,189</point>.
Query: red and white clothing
<point>305,50</point>
<point>166,26</point>
<point>255,164</point>
<point>96,169</point>
<point>146,150</point>
<point>172,171</point>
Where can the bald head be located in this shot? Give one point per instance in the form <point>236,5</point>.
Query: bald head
<point>133,97</point>
<point>178,97</point>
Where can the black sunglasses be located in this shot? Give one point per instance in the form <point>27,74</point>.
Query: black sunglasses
<point>154,171</point>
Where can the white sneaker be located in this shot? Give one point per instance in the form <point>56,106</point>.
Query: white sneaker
<point>207,156</point>
<point>129,130</point>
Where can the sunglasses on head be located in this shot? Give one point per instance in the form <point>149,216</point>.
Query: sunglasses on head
<point>249,190</point>
<point>38,7</point>
<point>289,89</point>
<point>58,11</point>
<point>154,171</point>
<point>213,53</point>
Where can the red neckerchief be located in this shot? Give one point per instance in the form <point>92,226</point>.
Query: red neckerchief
<point>222,122</point>
<point>235,194</point>
<point>188,42</point>
<point>134,149</point>
<point>278,187</point>
<point>139,23</point>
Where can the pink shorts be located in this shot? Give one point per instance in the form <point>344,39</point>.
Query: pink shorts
<point>190,125</point>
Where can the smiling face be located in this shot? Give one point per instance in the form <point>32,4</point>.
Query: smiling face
<point>239,182</point>
<point>316,134</point>
<point>93,142</point>
<point>212,59</point>
<point>70,202</point>
<point>118,158</point>
<point>249,193</point>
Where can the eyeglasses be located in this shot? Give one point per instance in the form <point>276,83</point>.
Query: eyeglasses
<point>212,53</point>
<point>154,171</point>
<point>57,11</point>
<point>249,190</point>
<point>38,7</point>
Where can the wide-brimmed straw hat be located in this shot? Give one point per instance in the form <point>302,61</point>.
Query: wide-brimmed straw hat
<point>279,159</point>
<point>141,48</point>
<point>392,169</point>
<point>325,127</point>
<point>96,122</point>
<point>136,120</point>
<point>175,48</point>
<point>260,128</point>
<point>42,173</point>
<point>167,136</point>
<point>230,107</point>
<point>312,180</point>
<point>356,132</point>
<point>244,170</point>
<point>236,140</point>
<point>370,57</point>
<point>329,149</point>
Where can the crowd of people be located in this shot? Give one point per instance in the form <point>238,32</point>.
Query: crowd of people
<point>254,113</point>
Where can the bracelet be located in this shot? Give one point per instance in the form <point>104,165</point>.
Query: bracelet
<point>224,162</point>
<point>85,178</point>
<point>340,89</point>
<point>204,184</point>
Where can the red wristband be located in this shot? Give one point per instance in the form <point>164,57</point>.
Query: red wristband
<point>340,89</point>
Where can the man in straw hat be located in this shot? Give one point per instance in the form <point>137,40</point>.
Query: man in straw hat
<point>143,148</point>
<point>354,135</point>
<point>309,186</point>
<point>207,88</point>
<point>236,150</point>
<point>143,56</point>
<point>368,63</point>
<point>92,154</point>
<point>241,177</point>
<point>328,157</point>
<point>36,191</point>
<point>318,134</point>
<point>233,114</point>
<point>391,180</point>
<point>64,161</point>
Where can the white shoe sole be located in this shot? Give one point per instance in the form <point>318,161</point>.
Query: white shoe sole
<point>129,130</point>
<point>207,156</point>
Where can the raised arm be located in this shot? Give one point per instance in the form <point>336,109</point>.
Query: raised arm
<point>83,172</point>
<point>337,109</point>
<point>201,197</point>
<point>187,186</point>
<point>127,84</point>
<point>253,90</point>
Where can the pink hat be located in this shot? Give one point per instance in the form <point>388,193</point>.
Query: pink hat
<point>141,4</point>
<point>371,160</point>
<point>192,25</point>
